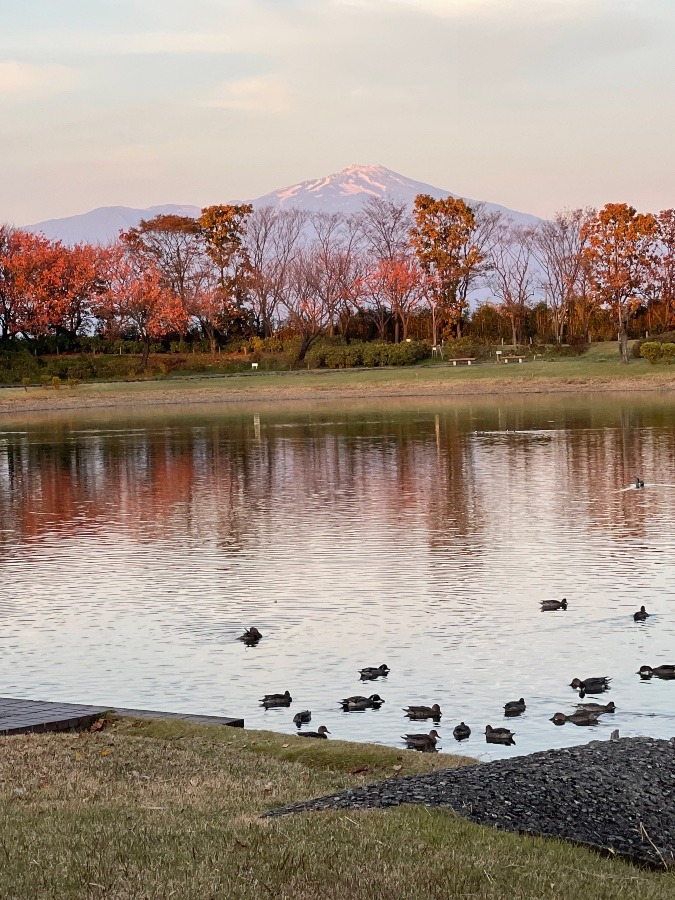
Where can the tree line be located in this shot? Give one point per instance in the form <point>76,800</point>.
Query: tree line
<point>239,271</point>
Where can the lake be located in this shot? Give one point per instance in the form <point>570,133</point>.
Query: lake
<point>135,546</point>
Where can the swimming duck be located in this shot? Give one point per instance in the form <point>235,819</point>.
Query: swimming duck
<point>424,712</point>
<point>461,732</point>
<point>498,735</point>
<point>284,699</point>
<point>590,685</point>
<point>641,615</point>
<point>576,718</point>
<point>321,733</point>
<point>639,483</point>
<point>372,672</point>
<point>665,671</point>
<point>356,704</point>
<point>514,707</point>
<point>302,718</point>
<point>250,636</point>
<point>547,605</point>
<point>597,708</point>
<point>424,742</point>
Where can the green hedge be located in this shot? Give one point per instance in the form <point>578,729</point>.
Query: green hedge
<point>655,351</point>
<point>330,355</point>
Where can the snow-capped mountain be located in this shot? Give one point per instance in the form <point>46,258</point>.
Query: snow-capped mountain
<point>345,191</point>
<point>348,190</point>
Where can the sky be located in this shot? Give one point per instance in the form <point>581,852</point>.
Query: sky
<point>534,104</point>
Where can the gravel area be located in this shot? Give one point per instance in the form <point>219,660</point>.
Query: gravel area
<point>616,796</point>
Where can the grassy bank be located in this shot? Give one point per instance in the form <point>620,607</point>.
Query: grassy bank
<point>598,370</point>
<point>161,809</point>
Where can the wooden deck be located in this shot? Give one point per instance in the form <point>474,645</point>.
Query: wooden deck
<point>25,716</point>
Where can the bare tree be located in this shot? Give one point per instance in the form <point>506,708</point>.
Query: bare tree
<point>511,276</point>
<point>477,253</point>
<point>385,226</point>
<point>558,248</point>
<point>273,240</point>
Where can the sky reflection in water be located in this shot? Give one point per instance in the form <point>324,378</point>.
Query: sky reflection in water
<point>134,548</point>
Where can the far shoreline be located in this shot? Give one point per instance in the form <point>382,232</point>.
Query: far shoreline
<point>443,383</point>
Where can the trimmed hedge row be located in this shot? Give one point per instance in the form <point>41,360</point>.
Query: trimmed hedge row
<point>358,353</point>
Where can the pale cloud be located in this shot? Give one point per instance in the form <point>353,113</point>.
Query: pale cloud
<point>261,95</point>
<point>21,79</point>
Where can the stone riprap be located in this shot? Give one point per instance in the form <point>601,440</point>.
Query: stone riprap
<point>616,796</point>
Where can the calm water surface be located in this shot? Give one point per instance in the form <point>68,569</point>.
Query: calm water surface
<point>135,547</point>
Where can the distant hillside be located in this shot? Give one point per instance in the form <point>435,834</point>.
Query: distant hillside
<point>103,225</point>
<point>344,191</point>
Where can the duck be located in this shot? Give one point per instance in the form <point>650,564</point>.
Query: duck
<point>590,685</point>
<point>514,707</point>
<point>641,615</point>
<point>371,672</point>
<point>424,712</point>
<point>356,704</point>
<point>498,735</point>
<point>596,708</point>
<point>461,732</point>
<point>250,636</point>
<point>321,733</point>
<point>639,483</point>
<point>302,718</point>
<point>284,699</point>
<point>424,742</point>
<point>577,718</point>
<point>549,605</point>
<point>665,671</point>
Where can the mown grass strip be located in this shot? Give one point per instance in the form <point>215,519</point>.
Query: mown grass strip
<point>153,809</point>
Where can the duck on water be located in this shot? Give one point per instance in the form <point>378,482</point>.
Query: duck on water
<point>369,673</point>
<point>321,733</point>
<point>665,671</point>
<point>424,742</point>
<point>424,712</point>
<point>357,704</point>
<point>284,699</point>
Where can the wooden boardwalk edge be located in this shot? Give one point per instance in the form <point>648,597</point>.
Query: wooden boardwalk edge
<point>19,716</point>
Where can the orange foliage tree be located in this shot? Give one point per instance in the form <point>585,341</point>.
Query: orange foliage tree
<point>442,238</point>
<point>620,251</point>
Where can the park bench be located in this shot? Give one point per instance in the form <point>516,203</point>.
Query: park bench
<point>464,359</point>
<point>507,359</point>
<point>254,365</point>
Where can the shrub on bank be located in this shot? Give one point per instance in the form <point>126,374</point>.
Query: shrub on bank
<point>652,351</point>
<point>668,352</point>
<point>668,337</point>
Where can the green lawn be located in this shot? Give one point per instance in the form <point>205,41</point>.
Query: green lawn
<point>161,809</point>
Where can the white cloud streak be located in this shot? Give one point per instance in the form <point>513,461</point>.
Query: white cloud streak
<point>259,95</point>
<point>21,79</point>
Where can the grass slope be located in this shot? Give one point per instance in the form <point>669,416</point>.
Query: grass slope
<point>159,809</point>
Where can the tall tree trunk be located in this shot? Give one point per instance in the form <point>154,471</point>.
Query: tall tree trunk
<point>146,354</point>
<point>304,346</point>
<point>623,335</point>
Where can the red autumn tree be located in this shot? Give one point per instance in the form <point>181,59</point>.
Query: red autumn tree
<point>135,299</point>
<point>397,288</point>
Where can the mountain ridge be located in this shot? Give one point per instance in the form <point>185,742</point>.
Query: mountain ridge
<point>345,191</point>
